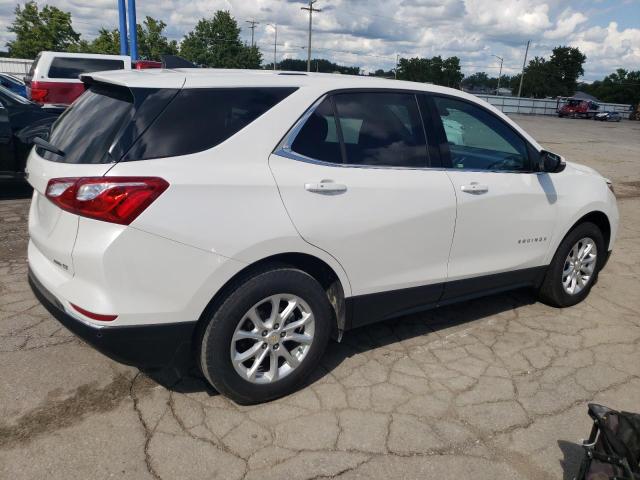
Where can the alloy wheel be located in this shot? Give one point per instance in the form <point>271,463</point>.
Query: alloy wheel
<point>579,266</point>
<point>272,338</point>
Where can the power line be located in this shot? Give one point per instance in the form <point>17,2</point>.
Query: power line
<point>253,24</point>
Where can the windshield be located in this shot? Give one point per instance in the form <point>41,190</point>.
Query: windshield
<point>12,96</point>
<point>88,128</point>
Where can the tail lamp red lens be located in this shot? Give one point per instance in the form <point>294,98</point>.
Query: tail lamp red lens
<point>94,316</point>
<point>109,199</point>
<point>39,94</point>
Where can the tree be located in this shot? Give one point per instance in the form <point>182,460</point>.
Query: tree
<point>621,86</point>
<point>151,41</point>
<point>152,44</point>
<point>564,68</point>
<point>317,65</point>
<point>215,42</point>
<point>37,30</point>
<point>431,70</point>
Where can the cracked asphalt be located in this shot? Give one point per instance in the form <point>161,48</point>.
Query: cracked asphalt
<point>493,388</point>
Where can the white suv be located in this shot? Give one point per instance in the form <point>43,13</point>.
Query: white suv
<point>240,219</point>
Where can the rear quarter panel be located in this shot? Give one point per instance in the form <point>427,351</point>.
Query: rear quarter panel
<point>225,200</point>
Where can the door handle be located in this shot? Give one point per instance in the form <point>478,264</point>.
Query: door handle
<point>475,188</point>
<point>325,186</point>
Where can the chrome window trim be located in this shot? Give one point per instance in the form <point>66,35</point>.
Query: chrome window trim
<point>284,150</point>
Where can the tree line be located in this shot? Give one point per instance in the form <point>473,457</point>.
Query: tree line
<point>215,42</point>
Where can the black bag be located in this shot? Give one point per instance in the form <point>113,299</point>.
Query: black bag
<point>613,448</point>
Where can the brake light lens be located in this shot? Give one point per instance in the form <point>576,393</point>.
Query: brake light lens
<point>37,93</point>
<point>94,316</point>
<point>109,199</point>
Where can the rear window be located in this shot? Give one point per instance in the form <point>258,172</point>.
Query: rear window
<point>198,119</point>
<point>107,121</point>
<point>87,129</point>
<point>73,67</point>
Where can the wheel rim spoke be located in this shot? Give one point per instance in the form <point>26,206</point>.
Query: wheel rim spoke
<point>300,338</point>
<point>290,359</point>
<point>247,354</point>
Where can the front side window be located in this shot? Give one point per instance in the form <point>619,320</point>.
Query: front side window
<point>73,67</point>
<point>478,140</point>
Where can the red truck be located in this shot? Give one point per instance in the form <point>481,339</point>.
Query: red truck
<point>577,107</point>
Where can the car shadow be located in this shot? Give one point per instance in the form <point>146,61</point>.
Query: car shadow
<point>381,334</point>
<point>15,190</point>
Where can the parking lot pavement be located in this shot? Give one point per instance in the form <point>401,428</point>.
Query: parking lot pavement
<point>494,388</point>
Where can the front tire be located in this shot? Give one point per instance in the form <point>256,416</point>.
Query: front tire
<point>267,336</point>
<point>575,267</point>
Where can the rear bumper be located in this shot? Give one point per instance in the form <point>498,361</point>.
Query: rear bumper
<point>144,346</point>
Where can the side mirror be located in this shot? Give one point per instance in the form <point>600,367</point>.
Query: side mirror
<point>551,162</point>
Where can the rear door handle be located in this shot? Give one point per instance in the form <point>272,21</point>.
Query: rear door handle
<point>325,186</point>
<point>475,188</point>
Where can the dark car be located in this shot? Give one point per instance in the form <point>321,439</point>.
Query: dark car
<point>14,84</point>
<point>20,121</point>
<point>608,117</point>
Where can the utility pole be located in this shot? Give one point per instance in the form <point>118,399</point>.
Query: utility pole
<point>395,70</point>
<point>500,74</point>
<point>253,24</point>
<point>275,43</point>
<point>311,9</point>
<point>523,65</point>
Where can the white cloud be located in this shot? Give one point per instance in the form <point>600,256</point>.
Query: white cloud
<point>370,33</point>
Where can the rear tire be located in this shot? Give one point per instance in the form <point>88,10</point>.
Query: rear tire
<point>247,321</point>
<point>569,271</point>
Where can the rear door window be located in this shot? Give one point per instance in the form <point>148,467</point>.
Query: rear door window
<point>73,67</point>
<point>200,118</point>
<point>381,129</point>
<point>88,128</point>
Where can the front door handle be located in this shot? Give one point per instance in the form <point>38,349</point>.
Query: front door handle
<point>325,186</point>
<point>475,188</point>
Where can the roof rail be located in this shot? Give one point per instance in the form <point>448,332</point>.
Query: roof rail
<point>292,73</point>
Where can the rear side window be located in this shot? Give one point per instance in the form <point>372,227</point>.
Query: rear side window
<point>73,67</point>
<point>199,119</point>
<point>86,130</point>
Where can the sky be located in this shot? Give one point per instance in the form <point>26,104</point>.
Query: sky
<point>370,33</point>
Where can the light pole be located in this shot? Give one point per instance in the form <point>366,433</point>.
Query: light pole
<point>275,43</point>
<point>500,74</point>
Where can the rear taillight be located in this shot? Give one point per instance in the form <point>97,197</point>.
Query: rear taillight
<point>39,94</point>
<point>110,199</point>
